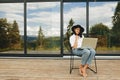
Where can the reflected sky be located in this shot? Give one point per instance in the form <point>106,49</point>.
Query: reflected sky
<point>47,15</point>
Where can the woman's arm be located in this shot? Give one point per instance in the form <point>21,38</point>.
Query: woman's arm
<point>74,41</point>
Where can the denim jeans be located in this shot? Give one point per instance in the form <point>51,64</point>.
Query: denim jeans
<point>86,53</point>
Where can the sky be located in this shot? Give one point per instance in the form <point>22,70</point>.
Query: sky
<point>47,15</point>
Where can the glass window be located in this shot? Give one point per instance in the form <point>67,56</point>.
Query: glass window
<point>43,28</point>
<point>11,28</point>
<point>101,25</point>
<point>74,13</point>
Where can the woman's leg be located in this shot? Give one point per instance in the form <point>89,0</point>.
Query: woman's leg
<point>84,60</point>
<point>88,62</point>
<point>79,53</point>
<point>84,70</point>
<point>85,56</point>
<point>92,54</point>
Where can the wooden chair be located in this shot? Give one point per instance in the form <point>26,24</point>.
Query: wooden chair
<point>88,42</point>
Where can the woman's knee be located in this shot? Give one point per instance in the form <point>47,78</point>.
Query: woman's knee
<point>86,52</point>
<point>92,51</point>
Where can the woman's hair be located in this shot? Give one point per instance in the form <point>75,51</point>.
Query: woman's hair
<point>81,29</point>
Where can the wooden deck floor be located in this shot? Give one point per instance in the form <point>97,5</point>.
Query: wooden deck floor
<point>54,69</point>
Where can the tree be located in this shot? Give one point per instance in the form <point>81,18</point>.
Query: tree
<point>9,34</point>
<point>69,31</point>
<point>116,26</point>
<point>102,32</point>
<point>99,29</point>
<point>40,38</point>
<point>14,31</point>
<point>3,33</point>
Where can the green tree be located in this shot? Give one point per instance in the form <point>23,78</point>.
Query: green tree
<point>3,33</point>
<point>9,34</point>
<point>69,31</point>
<point>14,31</point>
<point>40,38</point>
<point>116,26</point>
<point>99,29</point>
<point>102,32</point>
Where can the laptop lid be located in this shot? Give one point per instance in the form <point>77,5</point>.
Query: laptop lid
<point>89,43</point>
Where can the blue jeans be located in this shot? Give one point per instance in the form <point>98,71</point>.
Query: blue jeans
<point>86,53</point>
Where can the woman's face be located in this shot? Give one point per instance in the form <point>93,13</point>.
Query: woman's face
<point>77,31</point>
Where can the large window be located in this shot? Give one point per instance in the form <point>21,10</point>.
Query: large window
<point>33,27</point>
<point>73,13</point>
<point>43,28</point>
<point>101,26</point>
<point>11,28</point>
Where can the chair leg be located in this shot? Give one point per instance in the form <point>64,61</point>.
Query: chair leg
<point>71,63</point>
<point>95,65</point>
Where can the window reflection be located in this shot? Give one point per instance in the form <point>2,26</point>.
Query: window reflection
<point>43,28</point>
<point>11,28</point>
<point>74,13</point>
<point>101,26</point>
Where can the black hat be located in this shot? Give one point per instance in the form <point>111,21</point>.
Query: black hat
<point>78,26</point>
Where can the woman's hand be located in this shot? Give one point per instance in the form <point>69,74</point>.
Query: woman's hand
<point>76,41</point>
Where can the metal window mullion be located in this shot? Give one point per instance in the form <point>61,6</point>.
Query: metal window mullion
<point>25,28</point>
<point>61,25</point>
<point>87,18</point>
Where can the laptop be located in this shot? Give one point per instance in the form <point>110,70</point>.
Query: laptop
<point>89,43</point>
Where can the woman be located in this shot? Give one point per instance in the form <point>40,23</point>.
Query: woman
<point>87,53</point>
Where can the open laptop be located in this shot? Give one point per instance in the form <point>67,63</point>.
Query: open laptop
<point>89,43</point>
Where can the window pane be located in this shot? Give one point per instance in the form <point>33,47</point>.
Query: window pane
<point>101,26</point>
<point>11,28</point>
<point>74,13</point>
<point>43,28</point>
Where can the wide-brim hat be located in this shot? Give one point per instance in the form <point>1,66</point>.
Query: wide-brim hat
<point>78,26</point>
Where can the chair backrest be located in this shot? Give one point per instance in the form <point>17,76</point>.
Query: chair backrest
<point>90,42</point>
<point>67,45</point>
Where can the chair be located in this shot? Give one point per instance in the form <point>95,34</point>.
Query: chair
<point>87,42</point>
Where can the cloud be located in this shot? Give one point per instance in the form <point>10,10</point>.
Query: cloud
<point>78,14</point>
<point>97,14</point>
<point>42,5</point>
<point>32,30</point>
<point>102,14</point>
<point>12,8</point>
<point>47,15</point>
<point>49,21</point>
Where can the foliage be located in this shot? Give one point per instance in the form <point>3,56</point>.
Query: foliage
<point>13,33</point>
<point>52,42</point>
<point>102,32</point>
<point>9,34</point>
<point>116,26</point>
<point>69,31</point>
<point>99,29</point>
<point>40,38</point>
<point>3,33</point>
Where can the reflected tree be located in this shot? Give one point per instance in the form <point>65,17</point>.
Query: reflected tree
<point>40,38</point>
<point>102,32</point>
<point>116,26</point>
<point>9,34</point>
<point>69,31</point>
